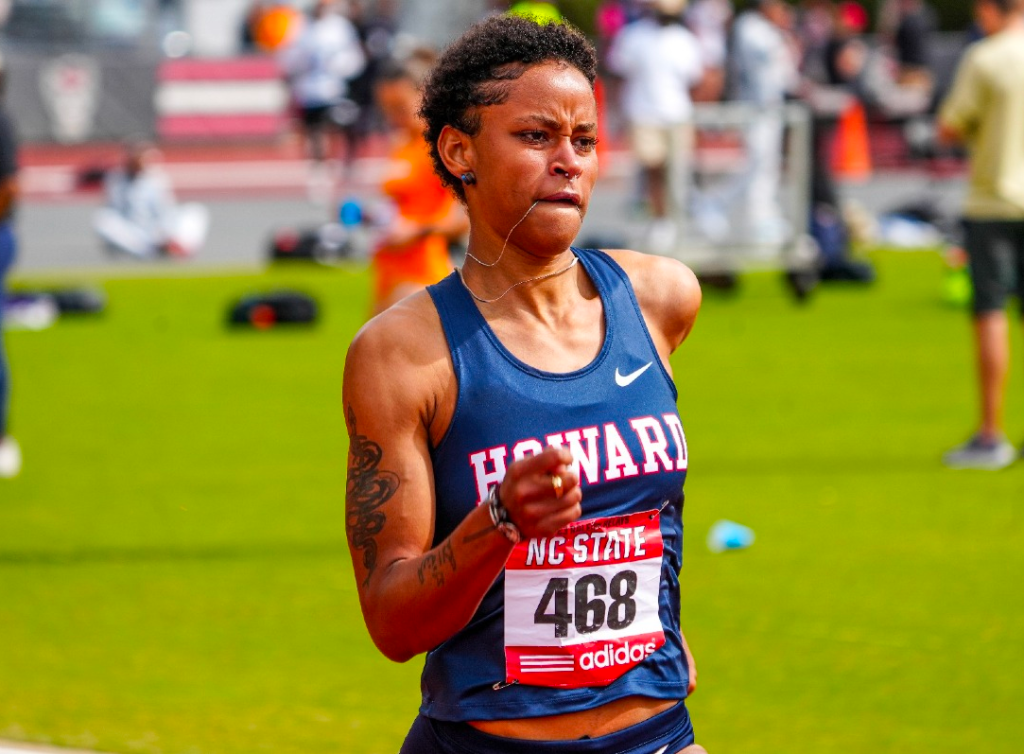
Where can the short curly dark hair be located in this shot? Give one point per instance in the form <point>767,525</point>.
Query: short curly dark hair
<point>477,69</point>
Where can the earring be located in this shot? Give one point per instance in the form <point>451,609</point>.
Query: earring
<point>468,178</point>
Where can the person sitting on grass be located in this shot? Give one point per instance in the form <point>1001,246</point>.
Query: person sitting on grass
<point>142,217</point>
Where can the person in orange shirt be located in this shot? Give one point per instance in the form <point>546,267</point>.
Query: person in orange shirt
<point>413,253</point>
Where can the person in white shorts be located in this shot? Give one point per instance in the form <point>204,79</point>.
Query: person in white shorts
<point>659,60</point>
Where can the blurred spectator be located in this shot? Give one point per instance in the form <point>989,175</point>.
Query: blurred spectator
<point>609,18</point>
<point>913,41</point>
<point>763,72</point>
<point>709,21</point>
<point>835,68</point>
<point>985,108</point>
<point>10,452</point>
<point>846,53</point>
<point>660,62</point>
<point>815,27</point>
<point>325,54</point>
<point>376,29</point>
<point>141,217</point>
<point>413,252</point>
<point>876,79</point>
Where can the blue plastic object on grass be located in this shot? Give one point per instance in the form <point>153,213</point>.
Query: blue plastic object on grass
<point>729,535</point>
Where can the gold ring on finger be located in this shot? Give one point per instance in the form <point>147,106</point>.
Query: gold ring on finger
<point>556,483</point>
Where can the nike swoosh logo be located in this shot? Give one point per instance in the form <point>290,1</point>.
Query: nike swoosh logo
<point>623,380</point>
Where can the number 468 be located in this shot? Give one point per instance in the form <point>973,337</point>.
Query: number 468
<point>596,601</point>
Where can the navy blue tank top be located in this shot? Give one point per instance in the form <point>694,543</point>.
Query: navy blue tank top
<point>618,416</point>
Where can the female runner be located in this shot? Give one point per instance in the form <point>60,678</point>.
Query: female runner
<point>514,493</point>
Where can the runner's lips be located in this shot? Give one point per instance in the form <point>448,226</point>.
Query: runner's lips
<point>565,197</point>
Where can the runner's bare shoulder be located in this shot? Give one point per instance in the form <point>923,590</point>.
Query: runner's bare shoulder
<point>666,289</point>
<point>400,358</point>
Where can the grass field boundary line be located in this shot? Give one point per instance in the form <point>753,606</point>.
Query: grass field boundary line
<point>193,271</point>
<point>253,551</point>
<point>136,272</point>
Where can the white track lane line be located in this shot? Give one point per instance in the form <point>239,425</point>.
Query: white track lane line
<point>11,747</point>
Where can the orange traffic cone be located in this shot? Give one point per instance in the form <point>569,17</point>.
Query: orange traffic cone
<point>851,155</point>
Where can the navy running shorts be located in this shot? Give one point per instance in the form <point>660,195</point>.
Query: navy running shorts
<point>666,733</point>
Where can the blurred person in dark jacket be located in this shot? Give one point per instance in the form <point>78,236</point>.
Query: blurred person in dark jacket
<point>846,53</point>
<point>10,452</point>
<point>913,43</point>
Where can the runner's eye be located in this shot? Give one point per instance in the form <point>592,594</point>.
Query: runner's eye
<point>585,144</point>
<point>533,137</point>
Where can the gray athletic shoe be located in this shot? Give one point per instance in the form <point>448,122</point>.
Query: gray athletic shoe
<point>981,453</point>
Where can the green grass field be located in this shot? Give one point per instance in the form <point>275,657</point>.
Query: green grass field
<point>174,576</point>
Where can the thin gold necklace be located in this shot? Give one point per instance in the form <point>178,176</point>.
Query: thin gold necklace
<point>465,285</point>
<point>479,261</point>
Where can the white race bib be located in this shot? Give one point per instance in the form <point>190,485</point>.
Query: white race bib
<point>581,606</point>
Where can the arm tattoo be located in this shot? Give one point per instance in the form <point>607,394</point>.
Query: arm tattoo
<point>433,564</point>
<point>366,490</point>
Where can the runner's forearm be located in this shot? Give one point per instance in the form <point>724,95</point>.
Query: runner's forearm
<point>414,604</point>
